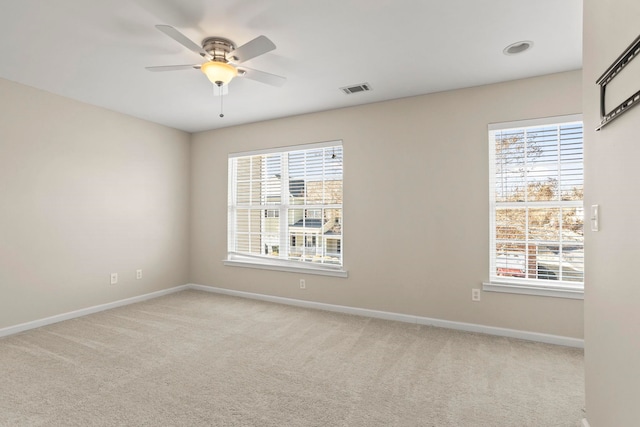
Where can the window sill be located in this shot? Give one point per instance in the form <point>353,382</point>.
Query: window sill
<point>570,292</point>
<point>284,266</point>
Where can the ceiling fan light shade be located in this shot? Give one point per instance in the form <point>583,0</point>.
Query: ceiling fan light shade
<point>219,73</point>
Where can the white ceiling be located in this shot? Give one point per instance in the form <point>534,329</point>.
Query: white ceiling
<point>96,51</point>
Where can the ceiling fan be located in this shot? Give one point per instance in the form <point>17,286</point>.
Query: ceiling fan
<point>222,56</point>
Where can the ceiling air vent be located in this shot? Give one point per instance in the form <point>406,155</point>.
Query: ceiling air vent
<point>363,87</point>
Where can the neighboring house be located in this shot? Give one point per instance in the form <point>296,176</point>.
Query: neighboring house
<point>542,262</point>
<point>314,234</point>
<point>311,237</point>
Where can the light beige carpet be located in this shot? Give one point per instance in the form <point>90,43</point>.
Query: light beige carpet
<point>200,359</point>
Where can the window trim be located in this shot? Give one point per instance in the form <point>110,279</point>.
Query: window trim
<point>559,291</point>
<point>281,264</point>
<point>242,260</point>
<point>513,284</point>
<point>275,150</point>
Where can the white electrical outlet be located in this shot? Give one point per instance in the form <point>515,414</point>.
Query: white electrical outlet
<point>303,285</point>
<point>475,294</point>
<point>114,278</point>
<point>138,274</point>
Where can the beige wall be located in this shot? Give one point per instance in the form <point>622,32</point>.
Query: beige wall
<point>612,298</point>
<point>85,192</point>
<point>417,166</point>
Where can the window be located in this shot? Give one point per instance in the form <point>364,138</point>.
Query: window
<point>313,213</point>
<point>537,213</point>
<point>310,241</point>
<point>285,209</point>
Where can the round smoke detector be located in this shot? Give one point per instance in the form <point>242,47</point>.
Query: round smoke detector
<point>517,47</point>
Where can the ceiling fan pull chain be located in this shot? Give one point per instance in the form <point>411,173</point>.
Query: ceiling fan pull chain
<point>221,98</point>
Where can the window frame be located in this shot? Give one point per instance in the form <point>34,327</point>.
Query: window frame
<point>281,263</point>
<point>539,287</point>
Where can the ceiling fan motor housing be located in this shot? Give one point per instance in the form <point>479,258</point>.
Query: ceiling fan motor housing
<point>218,48</point>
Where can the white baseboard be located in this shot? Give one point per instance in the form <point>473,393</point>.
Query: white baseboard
<point>469,327</point>
<point>407,318</point>
<point>585,423</point>
<point>84,311</point>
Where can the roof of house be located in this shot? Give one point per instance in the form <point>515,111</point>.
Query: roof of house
<point>309,223</point>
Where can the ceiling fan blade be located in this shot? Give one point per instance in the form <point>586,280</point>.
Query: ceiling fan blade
<point>262,77</point>
<point>183,40</point>
<point>173,67</point>
<point>255,47</point>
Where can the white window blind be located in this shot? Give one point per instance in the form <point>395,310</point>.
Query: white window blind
<point>536,199</point>
<point>285,207</point>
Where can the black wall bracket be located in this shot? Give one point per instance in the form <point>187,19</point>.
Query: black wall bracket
<point>614,70</point>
